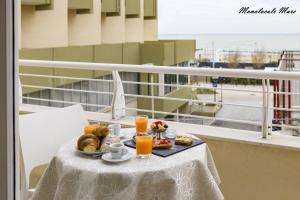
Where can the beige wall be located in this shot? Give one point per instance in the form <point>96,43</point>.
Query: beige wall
<point>19,26</point>
<point>150,30</point>
<point>61,27</point>
<point>135,27</point>
<point>85,29</point>
<point>255,172</point>
<point>45,28</point>
<point>113,27</point>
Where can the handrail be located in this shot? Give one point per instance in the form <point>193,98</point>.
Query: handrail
<point>265,76</point>
<point>255,74</point>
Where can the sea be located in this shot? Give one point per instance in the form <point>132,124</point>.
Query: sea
<point>241,42</point>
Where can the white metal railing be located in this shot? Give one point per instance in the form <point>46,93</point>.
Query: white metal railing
<point>264,90</point>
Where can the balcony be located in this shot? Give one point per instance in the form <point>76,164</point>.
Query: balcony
<point>150,9</point>
<point>111,7</point>
<point>158,53</point>
<point>133,8</point>
<point>267,160</point>
<point>35,2</point>
<point>39,4</point>
<point>168,52</point>
<point>81,6</point>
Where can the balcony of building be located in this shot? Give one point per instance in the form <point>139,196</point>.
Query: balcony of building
<point>252,164</point>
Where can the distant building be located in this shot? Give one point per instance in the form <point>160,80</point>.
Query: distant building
<point>102,31</point>
<point>290,88</point>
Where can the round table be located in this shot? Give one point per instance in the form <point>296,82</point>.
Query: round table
<point>190,174</point>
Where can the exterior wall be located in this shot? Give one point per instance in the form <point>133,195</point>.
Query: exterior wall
<point>113,27</point>
<point>168,52</point>
<point>85,29</point>
<point>162,104</point>
<point>135,26</point>
<point>158,53</point>
<point>150,30</point>
<point>45,28</point>
<point>62,24</point>
<point>131,53</point>
<point>107,54</point>
<point>76,54</point>
<point>150,20</point>
<point>82,97</point>
<point>256,172</point>
<point>152,53</point>
<point>39,54</point>
<point>19,26</point>
<point>184,50</point>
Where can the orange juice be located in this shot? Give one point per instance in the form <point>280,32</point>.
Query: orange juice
<point>90,128</point>
<point>141,123</point>
<point>144,145</point>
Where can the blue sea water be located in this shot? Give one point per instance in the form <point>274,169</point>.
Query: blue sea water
<point>242,42</point>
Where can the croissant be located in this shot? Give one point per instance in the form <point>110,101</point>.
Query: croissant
<point>101,131</point>
<point>88,143</point>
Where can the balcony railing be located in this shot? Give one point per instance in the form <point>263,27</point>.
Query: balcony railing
<point>264,91</point>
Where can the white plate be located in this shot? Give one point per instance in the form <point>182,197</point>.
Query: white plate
<point>107,157</point>
<point>89,153</point>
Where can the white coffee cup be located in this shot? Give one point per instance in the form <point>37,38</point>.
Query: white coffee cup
<point>117,150</point>
<point>115,129</point>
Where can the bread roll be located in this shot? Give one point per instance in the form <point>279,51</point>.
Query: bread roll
<point>88,143</point>
<point>184,140</point>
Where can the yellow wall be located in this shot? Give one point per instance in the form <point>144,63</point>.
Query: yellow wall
<point>85,29</point>
<point>150,30</point>
<point>135,26</point>
<point>45,28</point>
<point>39,54</point>
<point>113,27</point>
<point>60,25</point>
<point>253,172</point>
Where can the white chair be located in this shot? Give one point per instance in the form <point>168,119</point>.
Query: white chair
<point>42,133</point>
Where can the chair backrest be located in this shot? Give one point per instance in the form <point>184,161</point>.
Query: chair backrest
<point>42,133</point>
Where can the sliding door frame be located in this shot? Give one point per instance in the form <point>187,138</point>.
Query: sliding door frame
<point>9,181</point>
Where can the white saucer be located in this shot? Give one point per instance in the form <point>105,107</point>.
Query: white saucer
<point>107,157</point>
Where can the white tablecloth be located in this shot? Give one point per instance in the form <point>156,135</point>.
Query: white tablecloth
<point>190,174</point>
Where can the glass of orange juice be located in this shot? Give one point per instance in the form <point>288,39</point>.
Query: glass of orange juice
<point>144,145</point>
<point>141,123</point>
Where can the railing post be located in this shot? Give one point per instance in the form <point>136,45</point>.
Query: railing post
<point>161,87</point>
<point>152,96</point>
<point>177,86</point>
<point>118,101</point>
<point>265,108</point>
<point>152,90</point>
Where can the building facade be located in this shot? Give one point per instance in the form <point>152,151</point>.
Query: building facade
<point>100,31</point>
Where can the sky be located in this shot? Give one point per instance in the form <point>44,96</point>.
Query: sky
<point>221,16</point>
